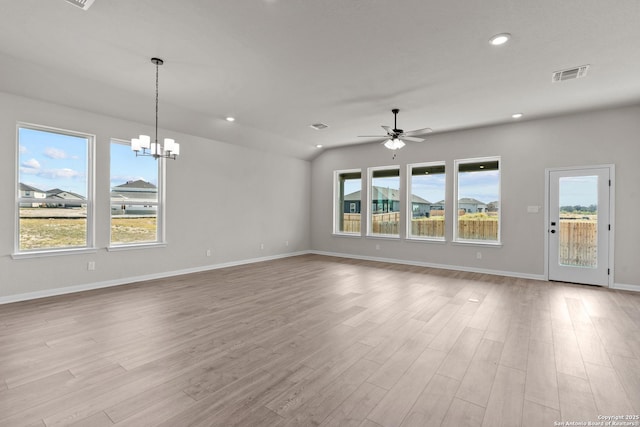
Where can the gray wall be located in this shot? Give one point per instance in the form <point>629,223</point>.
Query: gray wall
<point>593,138</point>
<point>220,196</point>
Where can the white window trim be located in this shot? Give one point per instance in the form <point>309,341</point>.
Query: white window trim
<point>370,172</point>
<point>90,200</point>
<point>160,212</point>
<point>456,197</point>
<point>409,213</point>
<point>337,210</point>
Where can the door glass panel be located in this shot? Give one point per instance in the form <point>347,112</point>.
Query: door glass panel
<point>578,239</point>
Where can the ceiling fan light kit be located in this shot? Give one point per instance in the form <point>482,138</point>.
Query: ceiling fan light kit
<point>394,137</point>
<point>394,144</point>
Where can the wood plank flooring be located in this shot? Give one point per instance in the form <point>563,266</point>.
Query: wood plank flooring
<point>321,341</point>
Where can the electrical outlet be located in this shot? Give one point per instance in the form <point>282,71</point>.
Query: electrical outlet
<point>208,252</point>
<point>377,247</point>
<point>91,265</point>
<point>286,243</point>
<point>261,246</point>
<point>478,255</point>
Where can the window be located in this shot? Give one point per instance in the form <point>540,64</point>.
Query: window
<point>136,197</point>
<point>384,198</point>
<point>478,200</point>
<point>348,190</point>
<point>54,190</point>
<point>426,198</point>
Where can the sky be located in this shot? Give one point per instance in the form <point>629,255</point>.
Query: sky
<point>578,190</point>
<point>125,166</point>
<point>50,160</point>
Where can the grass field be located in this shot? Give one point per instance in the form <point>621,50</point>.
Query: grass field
<point>48,233</point>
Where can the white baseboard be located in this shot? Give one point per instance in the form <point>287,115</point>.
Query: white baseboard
<point>433,265</point>
<point>128,280</point>
<point>125,281</point>
<point>626,287</point>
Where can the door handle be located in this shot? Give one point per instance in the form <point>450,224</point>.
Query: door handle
<point>553,231</point>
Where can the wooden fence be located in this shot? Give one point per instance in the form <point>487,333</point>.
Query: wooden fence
<point>351,223</point>
<point>478,229</point>
<point>431,227</point>
<point>388,223</point>
<point>578,243</point>
<point>578,239</point>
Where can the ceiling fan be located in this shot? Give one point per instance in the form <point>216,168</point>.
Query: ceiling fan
<point>394,137</point>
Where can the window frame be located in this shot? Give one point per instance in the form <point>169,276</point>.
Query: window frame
<point>370,172</point>
<point>338,206</point>
<point>456,199</point>
<point>160,205</point>
<point>90,245</point>
<point>409,202</point>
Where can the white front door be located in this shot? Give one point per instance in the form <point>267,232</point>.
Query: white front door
<point>578,225</point>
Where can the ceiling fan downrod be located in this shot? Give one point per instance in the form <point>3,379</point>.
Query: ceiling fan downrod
<point>395,112</point>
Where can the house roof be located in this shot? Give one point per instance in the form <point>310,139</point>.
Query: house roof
<point>383,193</point>
<point>25,187</point>
<point>57,193</point>
<point>139,183</point>
<point>290,64</point>
<point>471,201</point>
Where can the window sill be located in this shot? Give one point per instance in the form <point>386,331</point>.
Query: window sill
<point>53,252</point>
<point>383,236</point>
<point>347,235</point>
<point>425,240</point>
<point>136,246</point>
<point>477,243</point>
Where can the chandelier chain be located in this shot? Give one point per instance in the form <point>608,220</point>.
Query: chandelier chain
<point>157,67</point>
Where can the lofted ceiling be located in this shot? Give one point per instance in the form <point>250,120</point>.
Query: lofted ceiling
<point>279,66</point>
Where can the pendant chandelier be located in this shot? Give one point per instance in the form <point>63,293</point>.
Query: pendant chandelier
<point>143,146</point>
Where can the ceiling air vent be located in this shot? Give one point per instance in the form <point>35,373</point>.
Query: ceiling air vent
<point>318,126</point>
<point>569,74</point>
<point>82,4</point>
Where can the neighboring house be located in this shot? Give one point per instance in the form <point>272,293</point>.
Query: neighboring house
<point>64,199</point>
<point>493,206</point>
<point>134,198</point>
<point>27,191</point>
<point>470,205</point>
<point>352,202</point>
<point>384,200</point>
<point>437,208</point>
<point>419,206</point>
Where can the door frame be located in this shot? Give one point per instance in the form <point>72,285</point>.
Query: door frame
<point>612,193</point>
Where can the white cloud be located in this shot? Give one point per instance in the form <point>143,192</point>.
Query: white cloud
<point>31,164</point>
<point>61,173</point>
<point>54,153</point>
<point>23,149</point>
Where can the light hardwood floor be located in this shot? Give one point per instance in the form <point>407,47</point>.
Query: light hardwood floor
<point>315,340</point>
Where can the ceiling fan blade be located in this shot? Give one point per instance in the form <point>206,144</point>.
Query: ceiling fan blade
<point>411,138</point>
<point>418,132</point>
<point>388,129</point>
<point>373,136</point>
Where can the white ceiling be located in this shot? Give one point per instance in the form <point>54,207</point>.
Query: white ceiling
<point>280,65</point>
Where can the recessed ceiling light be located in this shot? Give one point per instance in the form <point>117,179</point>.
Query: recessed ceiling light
<point>230,119</point>
<point>318,145</point>
<point>517,115</point>
<point>481,166</point>
<point>500,39</point>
